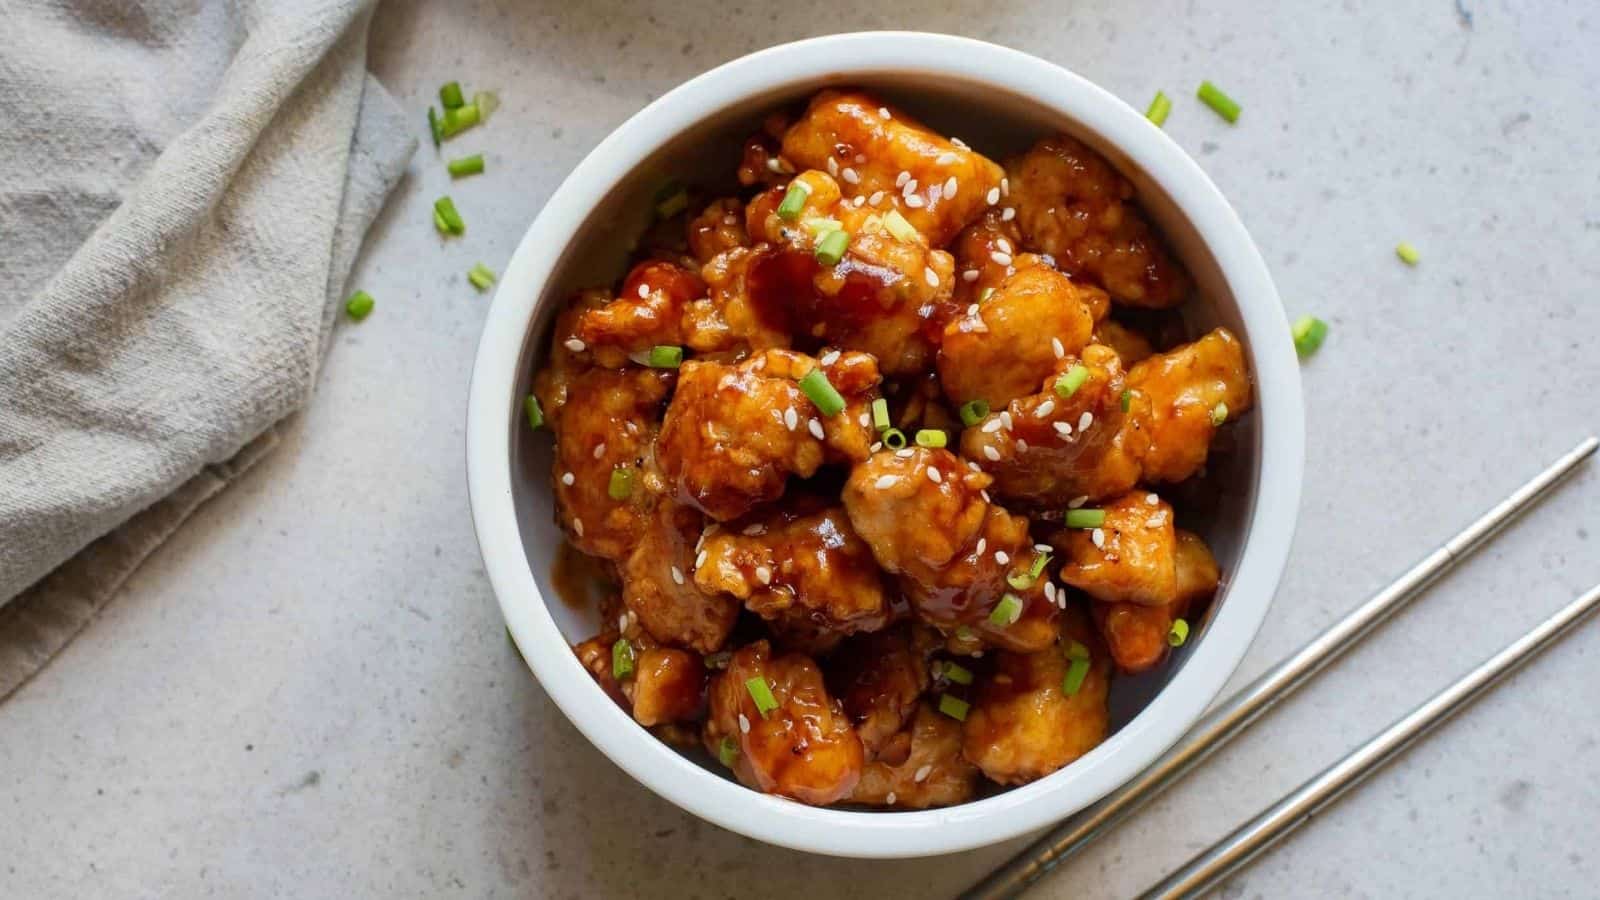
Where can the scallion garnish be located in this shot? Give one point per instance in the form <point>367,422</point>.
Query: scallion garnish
<point>880,414</point>
<point>664,356</point>
<point>481,276</point>
<point>621,485</point>
<point>444,211</point>
<point>1020,581</point>
<point>728,751</point>
<point>973,412</point>
<point>1077,671</point>
<point>819,226</point>
<point>621,659</point>
<point>450,95</point>
<point>1407,253</point>
<point>954,707</point>
<point>466,165</point>
<point>535,412</point>
<point>987,293</point>
<point>761,694</point>
<point>898,226</point>
<point>1220,103</point>
<point>1178,633</point>
<point>793,201</point>
<point>359,306</point>
<point>956,673</point>
<point>1159,107</point>
<point>1039,562</point>
<point>1219,413</point>
<point>1126,400</point>
<point>440,224</point>
<point>894,439</point>
<point>459,119</point>
<point>832,246</point>
<point>931,438</point>
<point>673,203</point>
<point>435,127</point>
<point>1309,332</point>
<point>1076,649</point>
<point>486,102</point>
<point>1085,518</point>
<point>821,391</point>
<point>1068,384</point>
<point>1007,611</point>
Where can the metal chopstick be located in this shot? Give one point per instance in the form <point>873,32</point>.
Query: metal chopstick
<point>1211,866</point>
<point>1237,712</point>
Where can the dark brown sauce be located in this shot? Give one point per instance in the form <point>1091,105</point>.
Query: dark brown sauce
<point>580,580</point>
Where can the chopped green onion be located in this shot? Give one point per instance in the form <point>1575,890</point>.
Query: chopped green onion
<point>1076,649</point>
<point>1407,253</point>
<point>1126,400</point>
<point>832,246</point>
<point>822,393</point>
<point>1178,633</point>
<point>1007,611</point>
<point>898,226</point>
<point>481,276</point>
<point>664,356</point>
<point>728,751</point>
<point>963,633</point>
<point>359,306</point>
<point>1220,103</point>
<point>450,95</point>
<point>973,412</point>
<point>486,102</point>
<point>621,486</point>
<point>880,414</point>
<point>932,438</point>
<point>460,119</point>
<point>1309,332</point>
<point>1077,670</point>
<point>954,707</point>
<point>894,439</point>
<point>435,127</point>
<point>819,226</point>
<point>957,673</point>
<point>1020,580</point>
<point>621,659</point>
<point>1085,518</point>
<point>987,293</point>
<point>444,212</point>
<point>793,201</point>
<point>674,203</point>
<point>1068,384</point>
<point>1039,562</point>
<point>466,165</point>
<point>1159,107</point>
<point>535,412</point>
<point>761,694</point>
<point>440,224</point>
<point>1219,413</point>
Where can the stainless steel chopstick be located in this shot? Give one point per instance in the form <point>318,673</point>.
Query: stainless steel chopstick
<point>1249,840</point>
<point>1237,712</point>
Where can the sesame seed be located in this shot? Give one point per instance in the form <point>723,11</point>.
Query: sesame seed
<point>1000,259</point>
<point>1155,521</point>
<point>568,479</point>
<point>1085,420</point>
<point>984,495</point>
<point>884,111</point>
<point>599,449</point>
<point>935,192</point>
<point>763,574</point>
<point>972,309</point>
<point>929,275</point>
<point>1077,501</point>
<point>577,527</point>
<point>901,179</point>
<point>677,575</point>
<point>754,530</point>
<point>991,453</point>
<point>1005,187</point>
<point>1003,244</point>
<point>1151,499</point>
<point>772,164</point>
<point>889,799</point>
<point>905,453</point>
<point>993,196</point>
<point>1055,345</point>
<point>1005,418</point>
<point>960,143</point>
<point>1008,214</point>
<point>833,167</point>
<point>969,275</point>
<point>914,202</point>
<point>973,466</point>
<point>946,159</point>
<point>886,481</point>
<point>950,187</point>
<point>859,202</point>
<point>910,187</point>
<point>1043,548</point>
<point>1050,591</point>
<point>1098,536</point>
<point>829,358</point>
<point>815,428</point>
<point>1022,445</point>
<point>933,475</point>
<point>1045,409</point>
<point>875,198</point>
<point>791,419</point>
<point>644,290</point>
<point>983,545</point>
<point>1001,557</point>
<point>993,425</point>
<point>744,724</point>
<point>1064,429</point>
<point>876,446</point>
<point>700,560</point>
<point>866,419</point>
<point>922,774</point>
<point>850,176</point>
<point>575,345</point>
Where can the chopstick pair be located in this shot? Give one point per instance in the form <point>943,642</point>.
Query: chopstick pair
<point>1239,711</point>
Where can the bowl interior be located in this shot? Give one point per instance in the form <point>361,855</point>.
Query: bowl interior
<point>994,122</point>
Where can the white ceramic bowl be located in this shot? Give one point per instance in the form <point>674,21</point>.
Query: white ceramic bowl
<point>999,101</point>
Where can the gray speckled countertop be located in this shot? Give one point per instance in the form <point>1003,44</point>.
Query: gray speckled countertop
<point>309,692</point>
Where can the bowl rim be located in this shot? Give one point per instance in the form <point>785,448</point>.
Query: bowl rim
<point>882,834</point>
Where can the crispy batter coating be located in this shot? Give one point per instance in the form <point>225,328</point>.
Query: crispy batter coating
<point>595,656</point>
<point>1131,346</point>
<point>1013,340</point>
<point>657,589</point>
<point>986,252</point>
<point>734,433</point>
<point>1137,634</point>
<point>804,749</point>
<point>648,312</point>
<point>669,685</point>
<point>718,228</point>
<point>1129,559</point>
<point>1184,385</point>
<point>1074,206</point>
<point>879,678</point>
<point>801,563</point>
<point>1022,726</point>
<point>1045,450</point>
<point>847,134</point>
<point>931,772</point>
<point>726,321</point>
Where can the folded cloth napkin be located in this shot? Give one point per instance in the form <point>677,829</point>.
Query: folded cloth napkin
<point>183,188</point>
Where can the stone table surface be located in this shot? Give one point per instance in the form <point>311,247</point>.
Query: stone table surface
<point>309,692</point>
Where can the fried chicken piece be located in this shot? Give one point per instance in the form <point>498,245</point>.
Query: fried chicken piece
<point>1074,206</point>
<point>718,228</point>
<point>726,320</point>
<point>1131,346</point>
<point>868,145</point>
<point>658,591</point>
<point>931,772</point>
<point>1129,559</point>
<point>1014,339</point>
<point>1136,634</point>
<point>669,685</point>
<point>803,749</point>
<point>1045,450</point>
<point>762,162</point>
<point>986,252</point>
<point>648,312</point>
<point>879,678</point>
<point>888,294</point>
<point>1184,385</point>
<point>802,564</point>
<point>1022,725</point>
<point>734,433</point>
<point>595,656</point>
<point>927,519</point>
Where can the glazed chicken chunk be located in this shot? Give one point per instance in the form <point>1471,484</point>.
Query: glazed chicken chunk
<point>665,684</point>
<point>718,228</point>
<point>927,769</point>
<point>802,747</point>
<point>657,590</point>
<point>877,150</point>
<point>1074,206</point>
<point>1192,390</point>
<point>648,312</point>
<point>879,678</point>
<point>1131,558</point>
<point>1136,634</point>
